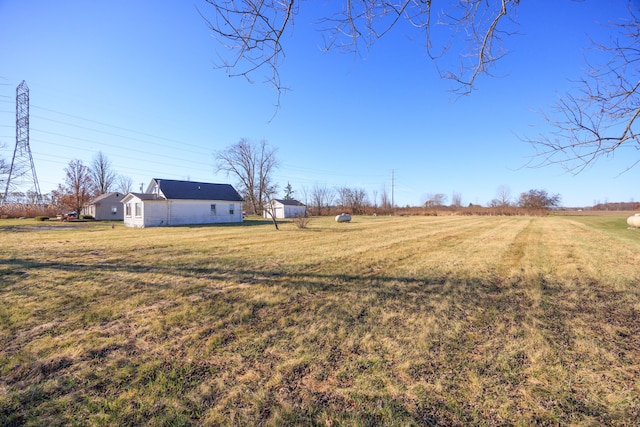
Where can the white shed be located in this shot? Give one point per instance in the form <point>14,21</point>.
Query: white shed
<point>171,202</point>
<point>285,209</point>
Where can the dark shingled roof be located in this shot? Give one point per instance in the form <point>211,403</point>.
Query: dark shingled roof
<point>189,190</point>
<point>106,196</point>
<point>291,202</point>
<point>143,196</point>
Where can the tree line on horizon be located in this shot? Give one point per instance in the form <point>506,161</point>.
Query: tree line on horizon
<point>253,164</point>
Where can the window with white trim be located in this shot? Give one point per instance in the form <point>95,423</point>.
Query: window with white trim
<point>138,207</point>
<point>213,209</point>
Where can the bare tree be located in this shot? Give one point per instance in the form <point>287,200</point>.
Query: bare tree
<point>435,200</point>
<point>305,195</point>
<point>385,201</point>
<point>253,165</point>
<point>252,33</point>
<point>321,198</point>
<point>603,115</point>
<point>4,173</point>
<point>4,167</point>
<point>342,196</point>
<point>103,176</point>
<point>124,184</point>
<point>503,197</point>
<point>76,191</point>
<point>538,199</point>
<point>456,200</point>
<point>353,198</point>
<point>358,201</point>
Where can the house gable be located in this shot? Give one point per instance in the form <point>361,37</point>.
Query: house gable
<point>105,207</point>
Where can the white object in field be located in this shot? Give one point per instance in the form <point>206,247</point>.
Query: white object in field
<point>343,218</point>
<point>632,221</point>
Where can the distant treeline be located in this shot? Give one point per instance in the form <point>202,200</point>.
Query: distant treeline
<point>436,211</point>
<point>32,210</point>
<point>617,206</point>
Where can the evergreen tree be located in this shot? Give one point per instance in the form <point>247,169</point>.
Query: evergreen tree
<point>288,192</point>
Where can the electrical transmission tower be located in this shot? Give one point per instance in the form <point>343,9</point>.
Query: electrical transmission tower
<point>22,183</point>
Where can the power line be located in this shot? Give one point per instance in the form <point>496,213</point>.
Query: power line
<point>115,127</point>
<point>152,172</point>
<point>111,134</point>
<point>146,153</point>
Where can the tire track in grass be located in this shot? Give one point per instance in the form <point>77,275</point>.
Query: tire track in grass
<point>407,244</point>
<point>510,262</point>
<point>467,251</point>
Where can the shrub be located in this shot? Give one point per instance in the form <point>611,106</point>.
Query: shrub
<point>27,211</point>
<point>86,216</point>
<point>301,221</point>
<point>42,218</point>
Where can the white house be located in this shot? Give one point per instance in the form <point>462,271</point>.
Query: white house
<point>105,206</point>
<point>171,202</point>
<point>285,209</point>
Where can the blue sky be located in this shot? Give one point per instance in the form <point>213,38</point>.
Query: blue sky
<point>137,80</point>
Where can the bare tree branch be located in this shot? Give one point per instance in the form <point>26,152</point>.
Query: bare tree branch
<point>251,32</point>
<point>603,116</point>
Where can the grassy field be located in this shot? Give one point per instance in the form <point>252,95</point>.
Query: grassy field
<point>382,321</point>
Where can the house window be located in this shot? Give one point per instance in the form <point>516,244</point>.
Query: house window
<point>127,209</point>
<point>213,209</point>
<point>138,207</point>
<point>114,210</point>
<point>231,208</point>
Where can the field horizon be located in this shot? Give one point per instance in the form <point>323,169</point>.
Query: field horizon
<point>455,320</point>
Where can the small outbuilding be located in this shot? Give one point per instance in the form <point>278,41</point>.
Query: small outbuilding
<point>282,208</point>
<point>171,202</point>
<point>106,206</point>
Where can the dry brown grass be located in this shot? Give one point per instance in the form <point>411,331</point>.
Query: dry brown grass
<point>382,321</point>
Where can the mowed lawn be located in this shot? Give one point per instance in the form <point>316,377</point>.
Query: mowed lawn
<point>381,321</point>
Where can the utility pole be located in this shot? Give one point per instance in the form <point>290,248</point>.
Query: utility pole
<point>22,183</point>
<point>392,187</point>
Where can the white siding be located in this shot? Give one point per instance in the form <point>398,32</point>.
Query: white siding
<point>275,208</point>
<point>156,213</point>
<point>199,212</point>
<point>284,211</point>
<point>130,218</point>
<point>292,211</point>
